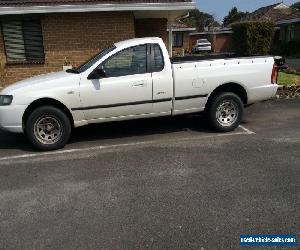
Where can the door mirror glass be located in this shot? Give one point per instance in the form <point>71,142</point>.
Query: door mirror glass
<point>97,73</point>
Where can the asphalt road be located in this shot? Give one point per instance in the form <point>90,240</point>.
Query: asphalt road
<point>155,184</point>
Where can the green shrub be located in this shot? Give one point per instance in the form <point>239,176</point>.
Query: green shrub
<point>252,38</point>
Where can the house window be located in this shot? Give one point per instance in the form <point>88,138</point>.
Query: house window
<point>177,39</point>
<point>23,41</point>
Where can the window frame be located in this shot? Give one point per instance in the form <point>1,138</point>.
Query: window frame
<point>94,59</point>
<point>182,36</point>
<point>152,58</point>
<point>26,61</point>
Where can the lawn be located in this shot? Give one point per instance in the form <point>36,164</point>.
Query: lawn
<point>288,79</point>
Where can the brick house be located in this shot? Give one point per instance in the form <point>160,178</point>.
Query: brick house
<point>271,13</point>
<point>290,28</point>
<point>41,36</point>
<point>180,37</point>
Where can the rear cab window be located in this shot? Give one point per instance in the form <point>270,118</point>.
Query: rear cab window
<point>157,58</point>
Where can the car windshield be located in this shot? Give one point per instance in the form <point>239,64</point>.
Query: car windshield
<point>89,63</point>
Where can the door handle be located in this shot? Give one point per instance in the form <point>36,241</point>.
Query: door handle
<point>139,85</point>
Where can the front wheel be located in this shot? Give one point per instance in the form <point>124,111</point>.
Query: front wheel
<point>225,112</point>
<point>48,128</point>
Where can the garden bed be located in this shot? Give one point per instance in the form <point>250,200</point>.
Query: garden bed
<point>289,85</point>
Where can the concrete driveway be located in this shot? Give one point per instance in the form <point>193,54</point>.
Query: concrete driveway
<point>155,184</point>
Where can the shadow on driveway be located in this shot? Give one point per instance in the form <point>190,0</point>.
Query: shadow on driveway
<point>142,127</point>
<point>115,130</point>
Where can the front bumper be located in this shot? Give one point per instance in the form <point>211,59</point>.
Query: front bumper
<point>11,118</point>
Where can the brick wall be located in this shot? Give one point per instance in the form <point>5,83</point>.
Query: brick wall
<point>151,27</point>
<point>2,60</point>
<point>71,37</point>
<point>223,43</point>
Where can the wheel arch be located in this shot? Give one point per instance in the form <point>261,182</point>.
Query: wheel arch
<point>229,87</point>
<point>47,102</point>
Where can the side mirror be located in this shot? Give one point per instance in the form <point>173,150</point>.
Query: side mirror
<point>97,73</point>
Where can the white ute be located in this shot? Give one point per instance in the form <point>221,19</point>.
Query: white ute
<point>134,79</point>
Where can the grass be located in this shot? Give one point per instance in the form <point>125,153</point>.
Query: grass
<point>288,79</point>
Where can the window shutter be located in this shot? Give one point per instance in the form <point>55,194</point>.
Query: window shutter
<point>33,40</point>
<point>13,40</point>
<point>23,41</point>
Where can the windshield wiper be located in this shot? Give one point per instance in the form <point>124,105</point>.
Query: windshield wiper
<point>73,70</point>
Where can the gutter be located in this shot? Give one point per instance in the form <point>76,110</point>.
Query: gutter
<point>212,33</point>
<point>288,21</point>
<point>97,8</point>
<point>183,29</point>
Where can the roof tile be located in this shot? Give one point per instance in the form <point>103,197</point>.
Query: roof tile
<point>14,3</point>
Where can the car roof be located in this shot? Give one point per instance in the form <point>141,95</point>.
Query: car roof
<point>137,41</point>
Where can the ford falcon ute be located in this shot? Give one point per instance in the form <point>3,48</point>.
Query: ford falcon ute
<point>135,79</point>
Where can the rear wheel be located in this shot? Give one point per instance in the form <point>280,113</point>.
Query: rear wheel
<point>225,112</point>
<point>48,128</point>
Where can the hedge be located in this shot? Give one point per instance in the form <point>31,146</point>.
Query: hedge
<point>252,38</point>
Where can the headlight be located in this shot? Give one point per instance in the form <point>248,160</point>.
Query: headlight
<point>5,100</point>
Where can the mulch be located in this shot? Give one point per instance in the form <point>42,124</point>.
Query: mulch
<point>288,92</point>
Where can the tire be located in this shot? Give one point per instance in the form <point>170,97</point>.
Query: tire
<point>225,112</point>
<point>48,128</point>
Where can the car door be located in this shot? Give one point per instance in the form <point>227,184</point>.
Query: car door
<point>162,81</point>
<point>125,90</point>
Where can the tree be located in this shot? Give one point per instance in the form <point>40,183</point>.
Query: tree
<point>200,20</point>
<point>296,5</point>
<point>234,16</point>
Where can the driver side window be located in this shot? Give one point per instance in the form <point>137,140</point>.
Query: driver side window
<point>130,61</point>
